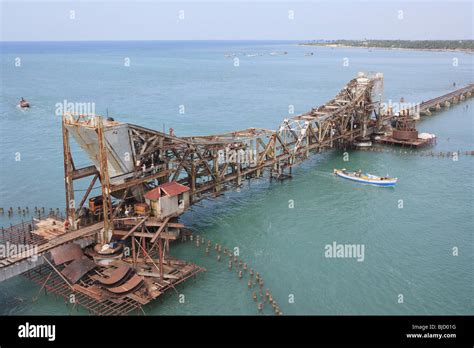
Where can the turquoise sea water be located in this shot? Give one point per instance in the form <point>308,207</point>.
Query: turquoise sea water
<point>408,251</point>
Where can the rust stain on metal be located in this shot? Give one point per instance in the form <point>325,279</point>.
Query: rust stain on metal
<point>77,269</point>
<point>132,284</point>
<point>66,253</point>
<point>117,275</point>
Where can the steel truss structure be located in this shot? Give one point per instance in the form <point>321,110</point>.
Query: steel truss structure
<point>211,164</point>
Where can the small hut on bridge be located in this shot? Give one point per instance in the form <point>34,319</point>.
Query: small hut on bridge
<point>168,200</point>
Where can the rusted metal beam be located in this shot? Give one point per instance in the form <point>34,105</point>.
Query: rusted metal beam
<point>138,181</point>
<point>135,228</point>
<point>84,172</point>
<point>105,182</point>
<point>161,229</point>
<point>150,222</point>
<point>68,178</point>
<point>89,189</point>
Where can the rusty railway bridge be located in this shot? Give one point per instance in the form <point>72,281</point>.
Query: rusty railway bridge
<point>129,160</point>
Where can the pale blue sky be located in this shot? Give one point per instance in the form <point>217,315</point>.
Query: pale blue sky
<point>39,20</point>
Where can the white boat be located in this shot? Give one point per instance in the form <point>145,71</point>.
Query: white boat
<point>363,144</point>
<point>366,178</point>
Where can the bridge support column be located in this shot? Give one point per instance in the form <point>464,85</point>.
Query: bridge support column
<point>455,100</point>
<point>257,158</point>
<point>461,97</point>
<point>239,178</point>
<point>438,107</point>
<point>193,178</point>
<point>68,178</point>
<point>447,104</point>
<point>107,232</point>
<point>215,164</point>
<point>307,144</point>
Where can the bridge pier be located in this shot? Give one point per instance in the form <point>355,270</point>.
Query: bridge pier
<point>447,104</point>
<point>215,166</point>
<point>438,107</point>
<point>239,177</point>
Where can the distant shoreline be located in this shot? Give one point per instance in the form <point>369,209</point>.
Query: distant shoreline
<point>385,45</point>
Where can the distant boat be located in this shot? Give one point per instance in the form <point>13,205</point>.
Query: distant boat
<point>366,178</point>
<point>309,54</point>
<point>24,103</point>
<point>278,53</point>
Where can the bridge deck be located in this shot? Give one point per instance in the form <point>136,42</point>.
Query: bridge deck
<point>446,97</point>
<point>40,249</point>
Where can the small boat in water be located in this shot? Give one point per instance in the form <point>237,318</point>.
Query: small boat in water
<point>366,178</point>
<point>24,104</point>
<point>367,143</point>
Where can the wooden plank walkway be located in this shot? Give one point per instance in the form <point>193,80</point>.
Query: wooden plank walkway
<point>52,243</point>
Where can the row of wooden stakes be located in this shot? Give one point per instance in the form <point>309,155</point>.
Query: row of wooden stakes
<point>441,154</point>
<point>40,211</point>
<point>255,279</point>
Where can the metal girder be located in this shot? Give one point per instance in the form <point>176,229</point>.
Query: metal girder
<point>203,164</point>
